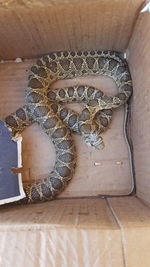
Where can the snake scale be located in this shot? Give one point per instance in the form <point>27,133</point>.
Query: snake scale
<point>45,106</point>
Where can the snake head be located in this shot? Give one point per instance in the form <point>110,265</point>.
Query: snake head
<point>94,140</point>
<point>116,102</point>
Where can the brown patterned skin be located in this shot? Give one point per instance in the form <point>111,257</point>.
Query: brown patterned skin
<point>22,118</point>
<point>43,106</point>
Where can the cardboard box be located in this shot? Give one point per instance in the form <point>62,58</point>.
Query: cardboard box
<point>79,228</point>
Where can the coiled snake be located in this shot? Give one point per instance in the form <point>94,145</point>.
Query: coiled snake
<point>44,106</point>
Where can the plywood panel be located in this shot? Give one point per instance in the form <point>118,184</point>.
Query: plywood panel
<point>31,28</point>
<point>139,55</point>
<point>97,172</point>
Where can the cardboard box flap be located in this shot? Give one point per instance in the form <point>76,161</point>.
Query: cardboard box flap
<point>60,213</point>
<point>32,28</point>
<point>139,56</point>
<point>133,218</point>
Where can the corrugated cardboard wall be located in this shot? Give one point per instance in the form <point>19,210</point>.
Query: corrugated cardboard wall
<point>31,28</point>
<point>139,56</point>
<point>80,232</point>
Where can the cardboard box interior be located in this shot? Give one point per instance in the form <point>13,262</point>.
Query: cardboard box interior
<point>64,229</point>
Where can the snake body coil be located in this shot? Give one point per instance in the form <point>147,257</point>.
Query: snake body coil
<point>44,106</point>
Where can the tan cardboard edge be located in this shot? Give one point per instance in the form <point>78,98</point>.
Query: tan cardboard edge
<point>8,4</point>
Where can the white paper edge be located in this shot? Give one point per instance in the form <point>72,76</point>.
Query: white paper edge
<point>11,199</point>
<point>146,8</point>
<point>22,193</point>
<point>19,149</point>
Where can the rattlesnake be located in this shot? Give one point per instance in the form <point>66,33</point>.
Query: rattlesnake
<point>45,106</point>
